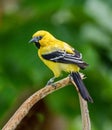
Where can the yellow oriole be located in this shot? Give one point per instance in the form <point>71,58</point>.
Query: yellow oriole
<point>59,56</point>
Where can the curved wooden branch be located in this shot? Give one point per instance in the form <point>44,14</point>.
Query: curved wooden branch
<point>32,100</point>
<point>86,124</point>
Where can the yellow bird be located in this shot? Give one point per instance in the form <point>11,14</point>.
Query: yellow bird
<point>60,56</point>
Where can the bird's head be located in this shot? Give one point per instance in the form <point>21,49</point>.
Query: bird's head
<point>41,38</point>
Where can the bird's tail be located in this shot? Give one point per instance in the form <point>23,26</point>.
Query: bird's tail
<point>81,87</point>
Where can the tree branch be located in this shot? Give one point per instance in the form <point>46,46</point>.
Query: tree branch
<point>32,100</point>
<point>86,124</point>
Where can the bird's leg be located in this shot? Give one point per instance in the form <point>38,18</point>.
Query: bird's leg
<point>50,82</point>
<point>70,77</point>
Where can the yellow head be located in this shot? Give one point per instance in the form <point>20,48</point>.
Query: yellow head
<point>41,38</point>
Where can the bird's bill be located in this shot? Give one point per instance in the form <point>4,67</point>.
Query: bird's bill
<point>34,40</point>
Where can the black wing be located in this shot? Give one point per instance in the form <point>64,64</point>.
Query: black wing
<point>67,58</point>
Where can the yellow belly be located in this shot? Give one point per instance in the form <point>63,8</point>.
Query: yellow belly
<point>57,68</point>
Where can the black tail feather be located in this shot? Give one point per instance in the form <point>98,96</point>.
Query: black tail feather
<point>81,87</point>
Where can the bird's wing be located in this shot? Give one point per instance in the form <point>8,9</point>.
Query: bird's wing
<point>60,56</point>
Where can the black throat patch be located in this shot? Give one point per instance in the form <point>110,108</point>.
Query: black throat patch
<point>37,44</point>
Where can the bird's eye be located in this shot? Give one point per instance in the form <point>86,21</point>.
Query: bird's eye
<point>39,37</point>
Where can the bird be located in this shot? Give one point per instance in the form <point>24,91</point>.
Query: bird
<point>59,56</point>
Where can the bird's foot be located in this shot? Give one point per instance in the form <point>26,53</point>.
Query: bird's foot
<point>50,82</point>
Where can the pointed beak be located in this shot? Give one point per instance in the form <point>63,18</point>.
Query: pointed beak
<point>34,40</point>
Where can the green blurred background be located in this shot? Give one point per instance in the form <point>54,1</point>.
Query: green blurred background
<point>87,26</point>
